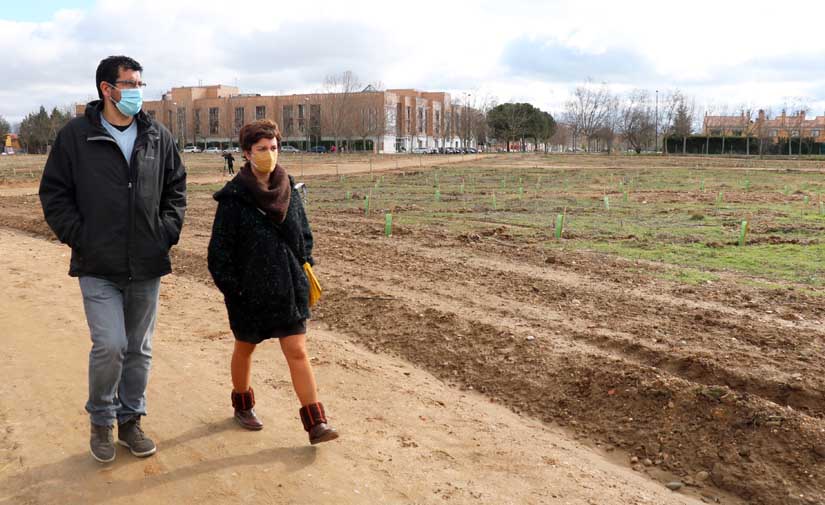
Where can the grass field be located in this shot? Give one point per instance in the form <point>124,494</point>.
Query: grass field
<point>683,216</point>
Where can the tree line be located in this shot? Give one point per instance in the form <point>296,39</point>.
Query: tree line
<point>594,119</point>
<point>37,130</point>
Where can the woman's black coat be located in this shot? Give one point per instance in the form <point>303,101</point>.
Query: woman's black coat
<point>258,265</point>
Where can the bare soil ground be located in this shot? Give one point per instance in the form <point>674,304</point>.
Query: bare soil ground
<point>408,437</point>
<point>719,386</point>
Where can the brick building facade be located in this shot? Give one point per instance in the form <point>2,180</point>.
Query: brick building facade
<point>379,120</point>
<point>783,126</point>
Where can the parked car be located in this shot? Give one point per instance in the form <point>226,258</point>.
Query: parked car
<point>191,149</point>
<point>214,150</point>
<point>432,150</point>
<point>290,149</point>
<point>419,150</point>
<point>472,150</point>
<point>318,149</point>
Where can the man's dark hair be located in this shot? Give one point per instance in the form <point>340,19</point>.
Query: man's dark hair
<point>109,69</point>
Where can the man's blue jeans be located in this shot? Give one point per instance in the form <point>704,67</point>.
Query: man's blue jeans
<point>121,319</point>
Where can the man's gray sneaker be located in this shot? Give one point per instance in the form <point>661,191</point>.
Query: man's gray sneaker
<point>102,444</point>
<point>129,434</point>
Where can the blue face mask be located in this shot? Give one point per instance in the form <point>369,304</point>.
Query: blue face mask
<point>131,100</point>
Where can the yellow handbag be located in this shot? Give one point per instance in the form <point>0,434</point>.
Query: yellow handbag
<point>315,290</point>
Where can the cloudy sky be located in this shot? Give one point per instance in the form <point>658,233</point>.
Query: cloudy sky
<point>722,53</point>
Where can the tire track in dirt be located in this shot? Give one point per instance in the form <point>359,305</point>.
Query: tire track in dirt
<point>724,295</point>
<point>526,320</point>
<point>572,278</point>
<point>685,428</point>
<point>581,303</point>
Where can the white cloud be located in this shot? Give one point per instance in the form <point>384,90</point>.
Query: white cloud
<point>722,52</point>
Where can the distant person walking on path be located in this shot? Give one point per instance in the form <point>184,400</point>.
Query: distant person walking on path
<point>114,190</point>
<point>230,162</point>
<point>260,240</point>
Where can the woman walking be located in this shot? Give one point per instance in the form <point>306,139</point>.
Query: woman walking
<point>260,240</point>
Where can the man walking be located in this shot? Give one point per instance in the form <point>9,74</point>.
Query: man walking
<point>230,162</point>
<point>114,190</point>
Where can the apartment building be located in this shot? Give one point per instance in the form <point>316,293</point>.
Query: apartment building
<point>783,126</point>
<point>386,121</point>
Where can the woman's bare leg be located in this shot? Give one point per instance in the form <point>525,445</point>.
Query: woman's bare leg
<point>242,366</point>
<point>303,380</point>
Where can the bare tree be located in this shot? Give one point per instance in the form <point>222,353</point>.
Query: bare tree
<point>746,115</point>
<point>636,122</point>
<point>478,126</point>
<point>588,110</point>
<point>761,129</point>
<point>448,122</point>
<point>340,102</point>
<point>668,104</point>
<point>796,122</point>
<point>561,137</point>
<point>368,123</point>
<point>723,113</point>
<point>708,124</point>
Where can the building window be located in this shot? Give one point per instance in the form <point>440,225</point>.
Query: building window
<point>213,121</point>
<point>369,121</point>
<point>408,120</point>
<point>437,124</point>
<point>197,121</point>
<point>815,133</point>
<point>774,133</point>
<point>260,112</point>
<point>286,119</point>
<point>315,121</point>
<point>301,115</point>
<point>421,120</point>
<point>238,119</point>
<point>795,133</point>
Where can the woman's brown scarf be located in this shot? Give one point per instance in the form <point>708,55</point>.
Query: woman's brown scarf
<point>272,198</point>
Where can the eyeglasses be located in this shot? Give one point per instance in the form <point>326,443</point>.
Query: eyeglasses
<point>129,84</point>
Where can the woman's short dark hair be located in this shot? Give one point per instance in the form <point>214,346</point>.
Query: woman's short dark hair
<point>109,70</point>
<point>256,130</point>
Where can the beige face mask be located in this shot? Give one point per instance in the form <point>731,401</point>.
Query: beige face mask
<point>264,161</point>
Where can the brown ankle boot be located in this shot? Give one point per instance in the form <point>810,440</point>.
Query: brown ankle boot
<point>315,423</point>
<point>244,412</point>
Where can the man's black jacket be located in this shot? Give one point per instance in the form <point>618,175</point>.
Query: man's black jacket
<point>119,218</point>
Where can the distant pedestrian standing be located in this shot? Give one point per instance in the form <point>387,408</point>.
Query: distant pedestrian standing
<point>260,241</point>
<point>114,190</point>
<point>230,162</point>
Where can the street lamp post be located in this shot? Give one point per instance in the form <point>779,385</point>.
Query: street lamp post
<point>466,119</point>
<point>177,127</point>
<point>656,141</point>
<point>306,119</point>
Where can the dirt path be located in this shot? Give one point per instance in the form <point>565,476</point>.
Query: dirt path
<point>408,436</point>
